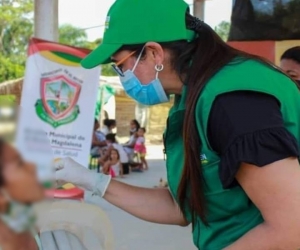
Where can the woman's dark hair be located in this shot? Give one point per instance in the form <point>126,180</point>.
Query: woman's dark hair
<point>196,62</point>
<point>109,122</point>
<point>292,54</point>
<point>137,125</point>
<point>111,137</point>
<point>117,151</point>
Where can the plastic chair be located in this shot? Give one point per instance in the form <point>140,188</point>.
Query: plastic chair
<point>88,223</point>
<point>93,163</point>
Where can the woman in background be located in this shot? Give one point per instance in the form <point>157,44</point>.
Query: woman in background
<point>109,125</point>
<point>98,140</point>
<point>290,63</point>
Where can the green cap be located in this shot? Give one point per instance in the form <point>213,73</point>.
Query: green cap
<point>132,22</point>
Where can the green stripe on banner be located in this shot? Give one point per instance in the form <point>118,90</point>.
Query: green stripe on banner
<point>68,57</point>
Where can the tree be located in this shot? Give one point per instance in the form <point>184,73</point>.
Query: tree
<point>73,36</point>
<point>16,28</point>
<point>223,30</point>
<point>106,69</point>
<point>269,20</point>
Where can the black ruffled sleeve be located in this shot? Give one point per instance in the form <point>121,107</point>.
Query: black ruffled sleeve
<point>248,127</point>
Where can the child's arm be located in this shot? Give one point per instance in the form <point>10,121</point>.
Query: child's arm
<point>121,170</point>
<point>105,157</point>
<point>106,167</point>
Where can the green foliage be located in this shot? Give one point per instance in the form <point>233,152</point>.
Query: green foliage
<point>16,28</point>
<point>288,15</point>
<point>73,36</point>
<point>223,30</point>
<point>9,69</point>
<point>282,24</point>
<point>106,69</point>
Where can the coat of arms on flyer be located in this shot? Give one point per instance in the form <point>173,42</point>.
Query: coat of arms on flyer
<point>58,103</point>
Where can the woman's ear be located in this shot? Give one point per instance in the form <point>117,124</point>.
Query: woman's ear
<point>156,52</point>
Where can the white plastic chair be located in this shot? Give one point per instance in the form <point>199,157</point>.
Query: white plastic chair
<point>73,225</point>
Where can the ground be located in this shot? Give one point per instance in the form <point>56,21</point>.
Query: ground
<point>131,233</point>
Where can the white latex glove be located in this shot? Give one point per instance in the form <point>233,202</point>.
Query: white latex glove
<point>70,171</point>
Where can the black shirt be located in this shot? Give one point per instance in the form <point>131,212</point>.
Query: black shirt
<point>246,126</point>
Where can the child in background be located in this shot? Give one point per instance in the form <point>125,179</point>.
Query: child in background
<point>113,166</point>
<point>140,147</point>
<point>113,144</point>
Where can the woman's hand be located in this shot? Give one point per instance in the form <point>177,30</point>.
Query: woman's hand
<point>154,205</point>
<point>275,190</point>
<point>70,171</point>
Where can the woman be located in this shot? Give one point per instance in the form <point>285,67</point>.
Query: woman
<point>98,141</point>
<point>232,135</point>
<point>128,146</point>
<point>134,127</point>
<point>19,189</point>
<point>290,63</point>
<point>108,127</point>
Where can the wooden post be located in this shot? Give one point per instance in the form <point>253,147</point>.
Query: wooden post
<point>46,19</point>
<point>199,9</point>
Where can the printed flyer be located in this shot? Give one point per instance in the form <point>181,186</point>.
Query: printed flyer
<point>57,104</point>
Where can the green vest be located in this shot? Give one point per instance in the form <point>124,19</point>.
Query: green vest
<point>231,214</point>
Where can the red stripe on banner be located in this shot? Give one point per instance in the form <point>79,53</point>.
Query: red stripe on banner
<point>36,45</point>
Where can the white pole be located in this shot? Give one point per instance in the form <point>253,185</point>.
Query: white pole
<point>101,113</point>
<point>199,9</point>
<point>46,19</point>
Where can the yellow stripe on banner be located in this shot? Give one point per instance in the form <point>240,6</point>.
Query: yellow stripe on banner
<point>54,58</point>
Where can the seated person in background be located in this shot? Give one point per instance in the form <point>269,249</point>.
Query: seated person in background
<point>140,147</point>
<point>98,141</point>
<point>128,146</point>
<point>113,144</point>
<point>290,63</point>
<point>113,166</point>
<point>19,189</point>
<point>108,126</point>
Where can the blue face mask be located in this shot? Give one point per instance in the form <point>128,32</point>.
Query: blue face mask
<point>147,94</point>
